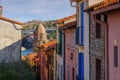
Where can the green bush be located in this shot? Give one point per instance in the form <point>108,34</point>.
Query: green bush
<point>16,71</point>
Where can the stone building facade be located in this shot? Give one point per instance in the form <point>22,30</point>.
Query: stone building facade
<point>10,40</point>
<point>97,51</point>
<point>111,10</point>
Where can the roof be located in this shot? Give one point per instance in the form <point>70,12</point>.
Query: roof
<point>49,44</point>
<point>102,5</point>
<point>67,25</point>
<point>105,4</point>
<point>66,18</point>
<point>31,56</point>
<point>10,20</point>
<point>73,0</point>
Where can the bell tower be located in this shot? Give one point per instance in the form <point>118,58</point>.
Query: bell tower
<point>41,35</point>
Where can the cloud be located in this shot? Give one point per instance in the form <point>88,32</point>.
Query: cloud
<point>26,10</point>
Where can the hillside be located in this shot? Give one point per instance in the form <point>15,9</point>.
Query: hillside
<point>34,23</point>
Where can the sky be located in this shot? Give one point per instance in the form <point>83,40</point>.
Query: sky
<point>27,10</point>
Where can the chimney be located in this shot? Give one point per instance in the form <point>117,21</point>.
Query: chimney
<point>0,10</point>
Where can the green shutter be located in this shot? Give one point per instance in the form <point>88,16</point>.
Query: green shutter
<point>60,42</point>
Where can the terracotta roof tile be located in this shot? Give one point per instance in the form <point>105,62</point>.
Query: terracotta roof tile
<point>92,6</point>
<point>49,44</point>
<point>66,18</point>
<point>105,4</point>
<point>31,56</point>
<point>67,25</point>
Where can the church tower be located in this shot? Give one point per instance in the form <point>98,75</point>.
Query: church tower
<point>40,36</point>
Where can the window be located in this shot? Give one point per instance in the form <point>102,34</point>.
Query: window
<point>77,35</point>
<point>115,56</point>
<point>73,74</point>
<point>98,30</point>
<point>68,39</point>
<point>98,17</point>
<point>73,39</point>
<point>98,69</point>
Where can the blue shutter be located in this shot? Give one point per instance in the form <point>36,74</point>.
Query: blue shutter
<point>81,66</point>
<point>82,24</point>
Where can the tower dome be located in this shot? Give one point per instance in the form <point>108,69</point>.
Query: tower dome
<point>42,35</point>
<point>41,29</point>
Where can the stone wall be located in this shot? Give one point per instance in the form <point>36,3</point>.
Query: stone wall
<point>10,41</point>
<point>97,50</point>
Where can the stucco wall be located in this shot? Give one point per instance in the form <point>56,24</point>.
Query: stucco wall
<point>114,35</point>
<point>86,47</point>
<point>97,50</point>
<point>70,48</point>
<point>10,41</point>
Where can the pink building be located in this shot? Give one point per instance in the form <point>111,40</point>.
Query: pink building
<point>109,12</point>
<point>70,55</point>
<point>61,58</point>
<point>114,45</point>
<point>47,56</point>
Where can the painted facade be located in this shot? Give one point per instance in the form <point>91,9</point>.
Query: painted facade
<point>10,43</point>
<point>60,55</point>
<point>113,41</point>
<point>61,47</point>
<point>82,40</point>
<point>47,56</point>
<point>70,54</point>
<point>106,17</point>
